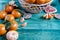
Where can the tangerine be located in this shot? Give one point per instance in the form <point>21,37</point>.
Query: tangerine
<point>14,25</point>
<point>40,1</point>
<point>2,29</point>
<point>16,14</point>
<point>30,1</point>
<point>48,1</point>
<point>3,14</point>
<point>9,17</point>
<point>9,8</point>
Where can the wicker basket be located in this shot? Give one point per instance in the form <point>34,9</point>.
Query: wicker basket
<point>33,8</point>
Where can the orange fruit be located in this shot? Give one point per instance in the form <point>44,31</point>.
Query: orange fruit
<point>2,14</point>
<point>2,29</point>
<point>30,1</point>
<point>40,1</point>
<point>16,14</point>
<point>47,1</point>
<point>9,17</point>
<point>14,25</point>
<point>9,8</point>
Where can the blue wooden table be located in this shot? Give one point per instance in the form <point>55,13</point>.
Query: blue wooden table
<point>37,28</point>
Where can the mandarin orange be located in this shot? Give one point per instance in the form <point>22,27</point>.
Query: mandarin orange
<point>40,1</point>
<point>2,29</point>
<point>30,1</point>
<point>16,14</point>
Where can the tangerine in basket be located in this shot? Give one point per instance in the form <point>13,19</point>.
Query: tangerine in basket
<point>2,29</point>
<point>48,1</point>
<point>30,1</point>
<point>40,1</point>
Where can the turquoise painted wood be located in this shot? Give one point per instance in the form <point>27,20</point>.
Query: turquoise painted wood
<point>37,28</point>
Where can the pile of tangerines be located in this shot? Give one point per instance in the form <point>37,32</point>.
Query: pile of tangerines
<point>9,14</point>
<point>37,1</point>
